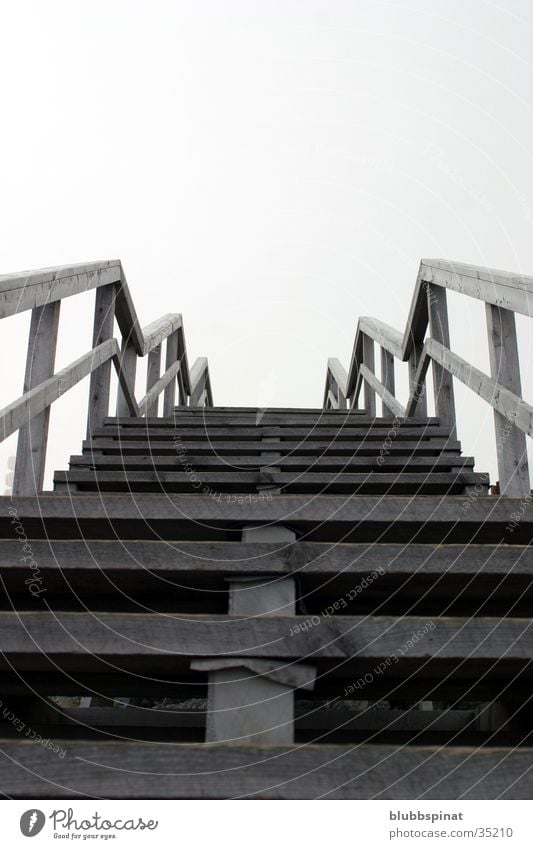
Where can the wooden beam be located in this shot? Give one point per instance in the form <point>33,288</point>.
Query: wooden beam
<point>379,389</point>
<point>15,415</point>
<point>442,379</point>
<point>100,384</point>
<point>33,436</point>
<point>511,446</point>
<point>171,358</point>
<point>368,361</point>
<point>150,403</point>
<point>128,365</point>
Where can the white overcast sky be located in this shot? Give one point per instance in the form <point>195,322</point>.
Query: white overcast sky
<point>272,170</point>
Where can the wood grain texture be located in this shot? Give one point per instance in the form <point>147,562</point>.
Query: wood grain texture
<point>115,770</point>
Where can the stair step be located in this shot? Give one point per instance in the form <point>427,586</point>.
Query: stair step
<point>214,483</point>
<point>131,770</point>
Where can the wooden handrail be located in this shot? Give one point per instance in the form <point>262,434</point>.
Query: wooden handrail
<point>42,292</point>
<point>504,294</point>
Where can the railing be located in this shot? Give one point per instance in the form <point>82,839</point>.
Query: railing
<point>42,291</point>
<point>504,295</point>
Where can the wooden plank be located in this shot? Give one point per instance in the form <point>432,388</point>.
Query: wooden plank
<point>310,463</point>
<point>15,415</point>
<point>171,357</point>
<point>387,379</point>
<point>417,383</point>
<point>128,366</point>
<point>33,436</point>
<point>100,384</point>
<point>442,379</point>
<point>153,373</point>
<point>511,449</point>
<point>124,770</point>
<point>240,481</point>
<point>150,401</point>
<point>369,392</point>
<point>504,289</point>
<point>389,400</point>
<point>160,329</point>
<point>501,399</point>
<point>485,520</point>
<point>30,289</point>
<point>336,381</point>
<point>34,639</point>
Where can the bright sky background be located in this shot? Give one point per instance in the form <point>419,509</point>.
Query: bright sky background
<point>272,170</point>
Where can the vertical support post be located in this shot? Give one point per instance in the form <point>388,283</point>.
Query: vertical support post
<point>170,390</point>
<point>129,367</point>
<point>442,379</point>
<point>505,370</point>
<point>198,392</point>
<point>421,409</point>
<point>33,437</point>
<point>182,395</point>
<point>387,379</point>
<point>368,360</point>
<point>153,373</point>
<point>252,701</point>
<point>104,317</point>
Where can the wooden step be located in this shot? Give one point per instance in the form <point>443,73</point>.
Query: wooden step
<point>163,462</point>
<point>213,483</point>
<point>133,770</point>
<point>395,519</point>
<point>414,448</point>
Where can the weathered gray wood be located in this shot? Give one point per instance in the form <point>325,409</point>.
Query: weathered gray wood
<point>511,447</point>
<point>485,515</point>
<point>199,378</point>
<point>128,360</point>
<point>417,383</point>
<point>270,460</point>
<point>133,770</point>
<point>15,415</point>
<point>33,436</point>
<point>425,483</point>
<point>336,381</point>
<point>424,447</point>
<point>30,289</point>
<point>100,384</point>
<point>171,357</point>
<point>442,379</point>
<point>389,401</point>
<point>501,399</point>
<point>369,392</point>
<point>161,329</point>
<point>387,378</point>
<point>35,639</point>
<point>502,288</point>
<point>150,402</point>
<point>153,372</point>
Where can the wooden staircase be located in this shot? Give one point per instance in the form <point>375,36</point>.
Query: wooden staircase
<point>394,640</point>
<point>220,602</point>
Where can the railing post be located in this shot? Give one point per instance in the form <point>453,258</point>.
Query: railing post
<point>153,373</point>
<point>129,367</point>
<point>505,370</point>
<point>442,379</point>
<point>33,437</point>
<point>170,390</point>
<point>421,409</point>
<point>369,393</point>
<point>104,317</point>
<point>387,378</point>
